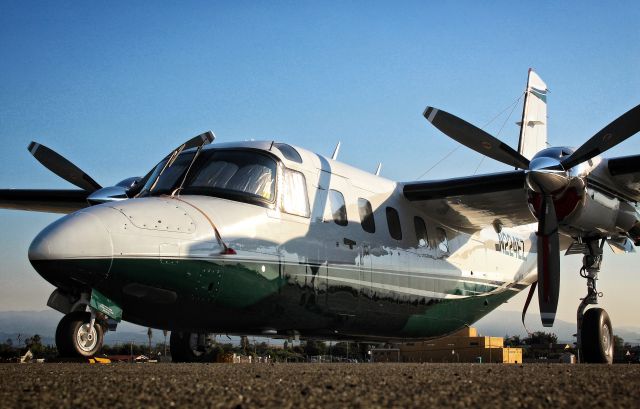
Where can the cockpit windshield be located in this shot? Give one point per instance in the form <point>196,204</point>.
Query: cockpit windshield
<point>244,175</point>
<point>247,173</point>
<point>168,179</point>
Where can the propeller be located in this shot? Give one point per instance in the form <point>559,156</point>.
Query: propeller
<point>474,138</point>
<point>546,176</point>
<point>625,126</point>
<point>62,167</point>
<point>548,261</point>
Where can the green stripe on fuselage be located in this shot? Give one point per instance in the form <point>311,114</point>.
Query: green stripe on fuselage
<point>450,315</point>
<point>245,293</point>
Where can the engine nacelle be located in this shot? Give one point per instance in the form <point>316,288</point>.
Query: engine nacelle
<point>603,213</point>
<point>583,211</point>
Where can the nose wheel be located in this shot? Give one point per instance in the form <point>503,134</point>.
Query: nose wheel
<point>595,333</point>
<point>78,335</point>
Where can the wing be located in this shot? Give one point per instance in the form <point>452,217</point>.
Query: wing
<point>474,202</point>
<point>625,174</point>
<point>44,200</point>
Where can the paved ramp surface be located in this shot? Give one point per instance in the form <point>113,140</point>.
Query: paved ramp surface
<point>319,385</point>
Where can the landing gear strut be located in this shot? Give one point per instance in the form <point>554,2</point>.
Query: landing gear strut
<point>595,333</point>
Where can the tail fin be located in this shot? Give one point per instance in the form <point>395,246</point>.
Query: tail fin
<point>533,128</point>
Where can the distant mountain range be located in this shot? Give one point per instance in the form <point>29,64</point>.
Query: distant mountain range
<point>501,323</point>
<point>498,323</point>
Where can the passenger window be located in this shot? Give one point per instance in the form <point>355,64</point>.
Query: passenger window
<point>366,216</point>
<point>393,222</point>
<point>421,232</point>
<point>443,243</point>
<point>338,208</point>
<point>294,193</point>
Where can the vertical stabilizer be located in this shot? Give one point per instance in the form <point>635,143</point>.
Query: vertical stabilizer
<point>533,128</point>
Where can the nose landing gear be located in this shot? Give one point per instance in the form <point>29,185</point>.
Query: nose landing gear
<point>79,335</point>
<point>595,333</point>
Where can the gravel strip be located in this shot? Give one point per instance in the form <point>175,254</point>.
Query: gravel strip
<point>319,385</point>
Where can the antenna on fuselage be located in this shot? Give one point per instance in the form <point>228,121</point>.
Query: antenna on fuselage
<point>379,168</point>
<point>336,151</point>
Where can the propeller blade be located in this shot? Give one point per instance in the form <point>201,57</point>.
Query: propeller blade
<point>474,138</point>
<point>199,140</point>
<point>548,262</point>
<point>62,167</point>
<point>626,125</point>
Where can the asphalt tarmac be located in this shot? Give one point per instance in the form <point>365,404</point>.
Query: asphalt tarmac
<point>319,385</point>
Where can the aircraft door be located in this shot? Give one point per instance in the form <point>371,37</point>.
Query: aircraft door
<point>341,248</point>
<point>365,273</point>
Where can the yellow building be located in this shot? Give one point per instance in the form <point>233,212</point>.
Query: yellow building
<point>463,346</point>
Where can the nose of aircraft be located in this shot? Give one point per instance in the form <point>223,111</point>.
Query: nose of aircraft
<point>75,249</point>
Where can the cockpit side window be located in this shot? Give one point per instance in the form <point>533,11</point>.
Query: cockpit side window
<point>294,193</point>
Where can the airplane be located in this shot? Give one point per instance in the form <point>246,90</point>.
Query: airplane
<point>265,238</point>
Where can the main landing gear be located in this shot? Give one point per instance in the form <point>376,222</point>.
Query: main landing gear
<point>595,333</point>
<point>190,346</point>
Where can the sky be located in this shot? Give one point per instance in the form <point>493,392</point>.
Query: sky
<point>113,86</point>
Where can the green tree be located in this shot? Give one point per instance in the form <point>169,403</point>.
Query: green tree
<point>34,344</point>
<point>512,341</point>
<point>244,344</point>
<point>340,350</point>
<point>7,351</point>
<point>314,348</point>
<point>618,344</point>
<point>541,338</point>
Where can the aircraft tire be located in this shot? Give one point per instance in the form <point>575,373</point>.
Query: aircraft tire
<point>183,349</point>
<point>597,337</point>
<point>73,338</point>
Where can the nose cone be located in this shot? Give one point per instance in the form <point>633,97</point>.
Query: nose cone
<point>75,249</point>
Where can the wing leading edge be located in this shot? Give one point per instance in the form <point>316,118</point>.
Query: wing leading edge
<point>474,202</point>
<point>44,200</point>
